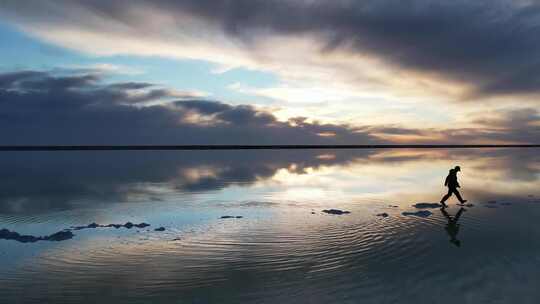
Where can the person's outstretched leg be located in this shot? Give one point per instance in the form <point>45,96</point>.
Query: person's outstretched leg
<point>447,196</point>
<point>458,195</point>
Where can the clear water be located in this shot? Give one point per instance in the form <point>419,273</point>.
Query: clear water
<point>284,249</point>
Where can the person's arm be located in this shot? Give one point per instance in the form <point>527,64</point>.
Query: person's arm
<point>446,180</point>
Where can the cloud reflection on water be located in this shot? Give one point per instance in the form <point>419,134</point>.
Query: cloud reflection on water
<point>288,254</point>
<point>41,182</point>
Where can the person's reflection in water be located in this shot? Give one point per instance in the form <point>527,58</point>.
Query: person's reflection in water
<point>452,183</point>
<point>452,228</point>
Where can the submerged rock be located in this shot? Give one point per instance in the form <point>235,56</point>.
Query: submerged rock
<point>427,205</point>
<point>335,211</point>
<point>422,213</point>
<point>27,239</point>
<point>393,206</point>
<point>160,229</point>
<point>384,214</point>
<point>231,217</point>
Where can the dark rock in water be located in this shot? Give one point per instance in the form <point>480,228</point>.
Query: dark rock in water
<point>422,213</point>
<point>127,225</point>
<point>114,226</point>
<point>160,229</point>
<point>177,239</point>
<point>383,214</point>
<point>313,212</point>
<point>427,205</point>
<point>393,206</point>
<point>335,211</point>
<point>63,235</point>
<point>5,234</point>
<point>59,236</point>
<point>231,217</point>
<point>89,226</point>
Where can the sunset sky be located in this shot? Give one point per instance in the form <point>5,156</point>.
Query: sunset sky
<point>269,72</point>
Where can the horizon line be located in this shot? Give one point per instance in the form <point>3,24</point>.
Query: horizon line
<point>22,148</point>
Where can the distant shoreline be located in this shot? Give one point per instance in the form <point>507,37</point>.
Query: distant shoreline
<point>243,147</point>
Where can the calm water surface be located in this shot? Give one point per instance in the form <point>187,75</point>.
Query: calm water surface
<point>283,249</point>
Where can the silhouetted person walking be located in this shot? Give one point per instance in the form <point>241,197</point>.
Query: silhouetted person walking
<point>452,228</point>
<point>452,183</point>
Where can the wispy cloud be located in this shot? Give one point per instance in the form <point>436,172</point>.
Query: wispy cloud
<point>458,49</point>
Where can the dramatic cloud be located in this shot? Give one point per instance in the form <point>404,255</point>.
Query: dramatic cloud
<point>480,48</point>
<point>41,108</point>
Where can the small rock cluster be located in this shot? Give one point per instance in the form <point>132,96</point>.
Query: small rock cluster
<point>63,235</point>
<point>127,225</point>
<point>335,211</point>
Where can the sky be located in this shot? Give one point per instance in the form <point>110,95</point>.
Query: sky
<point>269,72</point>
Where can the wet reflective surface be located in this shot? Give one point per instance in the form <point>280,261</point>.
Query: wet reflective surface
<point>284,248</point>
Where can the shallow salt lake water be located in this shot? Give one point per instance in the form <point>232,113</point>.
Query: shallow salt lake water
<point>284,249</point>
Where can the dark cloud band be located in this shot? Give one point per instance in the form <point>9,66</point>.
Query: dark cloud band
<point>42,108</point>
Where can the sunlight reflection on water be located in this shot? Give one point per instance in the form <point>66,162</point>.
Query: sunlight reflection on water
<point>284,249</point>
